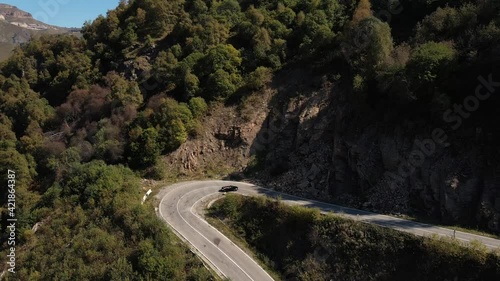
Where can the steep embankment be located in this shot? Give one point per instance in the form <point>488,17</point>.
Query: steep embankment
<point>304,245</point>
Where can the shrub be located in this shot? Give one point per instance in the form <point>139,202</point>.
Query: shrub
<point>198,106</point>
<point>143,148</point>
<point>172,135</point>
<point>191,84</point>
<point>221,85</point>
<point>429,61</point>
<point>158,171</point>
<point>259,78</point>
<point>358,83</point>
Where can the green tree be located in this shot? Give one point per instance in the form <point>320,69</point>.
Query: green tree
<point>153,263</point>
<point>143,148</point>
<point>449,24</point>
<point>161,16</point>
<point>164,68</point>
<point>123,92</point>
<point>24,169</point>
<point>198,106</point>
<point>23,105</point>
<point>108,142</point>
<point>191,85</point>
<point>95,183</point>
<point>7,136</point>
<point>221,85</point>
<point>121,269</point>
<point>53,65</point>
<point>223,57</point>
<point>172,135</point>
<point>285,14</point>
<point>429,61</point>
<point>259,78</point>
<point>369,45</point>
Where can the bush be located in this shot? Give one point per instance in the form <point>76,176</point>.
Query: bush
<point>430,61</point>
<point>259,78</point>
<point>358,83</point>
<point>173,135</point>
<point>198,106</point>
<point>158,171</point>
<point>256,163</point>
<point>221,85</point>
<point>144,148</point>
<point>191,84</point>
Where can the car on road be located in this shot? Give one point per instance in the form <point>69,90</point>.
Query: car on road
<point>228,188</point>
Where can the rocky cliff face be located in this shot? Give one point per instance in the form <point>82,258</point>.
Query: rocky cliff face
<point>224,141</point>
<point>327,149</point>
<point>314,142</point>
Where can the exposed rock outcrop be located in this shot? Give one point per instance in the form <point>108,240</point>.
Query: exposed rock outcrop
<point>316,144</point>
<point>9,11</point>
<point>335,153</point>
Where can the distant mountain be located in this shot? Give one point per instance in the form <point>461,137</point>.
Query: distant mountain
<point>18,26</point>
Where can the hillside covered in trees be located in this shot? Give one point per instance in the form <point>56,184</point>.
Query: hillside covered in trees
<point>82,118</point>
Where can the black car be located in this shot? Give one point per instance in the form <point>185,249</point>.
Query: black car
<point>228,188</point>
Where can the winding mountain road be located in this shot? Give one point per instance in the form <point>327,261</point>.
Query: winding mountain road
<point>181,206</point>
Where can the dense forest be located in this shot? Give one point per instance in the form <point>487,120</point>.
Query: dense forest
<point>81,119</point>
<point>302,244</point>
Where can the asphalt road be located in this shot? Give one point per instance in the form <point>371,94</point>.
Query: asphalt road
<point>181,206</point>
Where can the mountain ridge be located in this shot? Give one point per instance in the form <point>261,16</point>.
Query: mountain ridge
<point>13,11</point>
<point>18,27</point>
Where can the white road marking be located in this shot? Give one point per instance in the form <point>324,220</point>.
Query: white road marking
<point>191,210</point>
<point>185,238</point>
<point>178,211</point>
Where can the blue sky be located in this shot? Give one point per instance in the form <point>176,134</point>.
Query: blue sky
<point>66,13</point>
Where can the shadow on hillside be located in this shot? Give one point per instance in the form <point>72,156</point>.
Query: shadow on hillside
<point>279,141</point>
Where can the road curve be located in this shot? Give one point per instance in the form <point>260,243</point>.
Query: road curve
<point>181,203</point>
<point>227,259</point>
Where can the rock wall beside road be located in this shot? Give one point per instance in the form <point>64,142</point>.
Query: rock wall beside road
<point>315,143</point>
